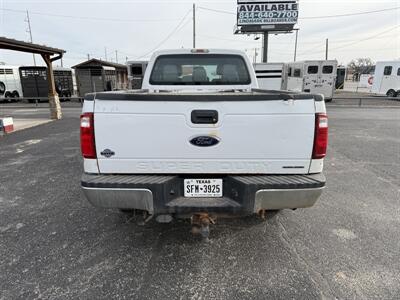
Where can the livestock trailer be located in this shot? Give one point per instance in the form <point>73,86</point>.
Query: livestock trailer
<point>10,83</point>
<point>313,76</point>
<point>340,77</point>
<point>34,82</point>
<point>96,75</point>
<point>63,79</point>
<point>271,76</point>
<point>387,78</point>
<point>136,71</point>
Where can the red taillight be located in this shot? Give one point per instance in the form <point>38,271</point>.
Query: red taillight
<point>88,146</point>
<point>321,136</point>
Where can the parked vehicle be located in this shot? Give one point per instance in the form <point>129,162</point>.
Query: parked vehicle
<point>10,83</point>
<point>387,78</point>
<point>313,76</point>
<point>136,70</point>
<point>63,79</point>
<point>202,140</point>
<point>271,76</point>
<point>341,74</point>
<point>34,82</point>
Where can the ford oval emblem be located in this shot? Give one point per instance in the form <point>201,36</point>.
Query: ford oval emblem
<point>204,141</point>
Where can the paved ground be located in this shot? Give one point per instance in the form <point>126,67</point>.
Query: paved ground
<point>27,115</point>
<point>55,245</point>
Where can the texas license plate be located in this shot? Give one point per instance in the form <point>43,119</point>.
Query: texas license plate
<point>203,187</point>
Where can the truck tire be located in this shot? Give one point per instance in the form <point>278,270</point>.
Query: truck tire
<point>391,93</point>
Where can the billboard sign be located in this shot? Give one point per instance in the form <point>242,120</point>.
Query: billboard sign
<point>267,12</point>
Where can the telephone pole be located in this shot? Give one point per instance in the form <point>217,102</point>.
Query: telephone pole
<point>194,25</point>
<point>326,49</point>
<point>105,53</point>
<point>116,56</point>
<point>30,34</point>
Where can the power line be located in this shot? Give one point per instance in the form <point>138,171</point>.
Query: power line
<point>355,42</point>
<point>176,29</point>
<point>350,14</point>
<point>217,10</point>
<point>88,18</point>
<point>310,18</point>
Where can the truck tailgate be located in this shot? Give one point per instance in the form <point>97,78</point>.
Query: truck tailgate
<point>255,137</point>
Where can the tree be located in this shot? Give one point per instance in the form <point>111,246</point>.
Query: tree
<point>361,66</point>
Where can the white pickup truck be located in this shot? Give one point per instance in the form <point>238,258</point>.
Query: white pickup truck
<point>200,140</point>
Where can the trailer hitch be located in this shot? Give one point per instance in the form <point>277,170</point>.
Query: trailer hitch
<point>201,224</point>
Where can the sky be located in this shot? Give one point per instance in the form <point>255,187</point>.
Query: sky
<point>133,29</point>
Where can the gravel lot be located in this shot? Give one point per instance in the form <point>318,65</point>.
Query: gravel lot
<point>54,245</point>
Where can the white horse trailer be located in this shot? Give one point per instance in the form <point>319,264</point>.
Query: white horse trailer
<point>136,71</point>
<point>271,76</point>
<point>10,83</point>
<point>387,78</point>
<point>313,76</point>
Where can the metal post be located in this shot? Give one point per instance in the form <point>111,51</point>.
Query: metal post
<point>28,20</point>
<point>326,50</point>
<point>265,47</point>
<point>295,45</point>
<point>194,26</point>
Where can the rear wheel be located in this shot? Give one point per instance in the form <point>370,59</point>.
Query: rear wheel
<point>391,93</point>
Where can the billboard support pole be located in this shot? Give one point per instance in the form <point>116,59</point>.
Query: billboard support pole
<point>194,25</point>
<point>265,47</point>
<point>295,45</point>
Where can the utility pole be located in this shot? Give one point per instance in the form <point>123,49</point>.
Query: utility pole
<point>295,45</point>
<point>326,49</point>
<point>116,56</point>
<point>265,47</point>
<point>105,53</point>
<point>88,56</point>
<point>194,25</point>
<point>30,33</point>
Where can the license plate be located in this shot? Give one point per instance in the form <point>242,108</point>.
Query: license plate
<point>203,188</point>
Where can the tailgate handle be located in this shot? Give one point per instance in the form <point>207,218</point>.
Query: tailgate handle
<point>204,117</point>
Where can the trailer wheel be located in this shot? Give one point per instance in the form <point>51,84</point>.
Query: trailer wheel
<point>391,93</point>
<point>8,96</point>
<point>15,95</point>
<point>2,88</point>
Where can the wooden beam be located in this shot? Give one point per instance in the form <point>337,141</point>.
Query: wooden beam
<point>54,100</point>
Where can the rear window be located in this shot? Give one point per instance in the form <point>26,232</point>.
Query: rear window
<point>312,70</point>
<point>200,69</point>
<point>387,71</point>
<point>327,69</point>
